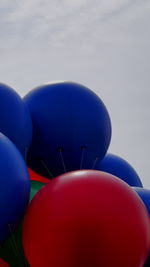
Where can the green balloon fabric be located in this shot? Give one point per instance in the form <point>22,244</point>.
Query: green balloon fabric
<point>35,187</point>
<point>11,249</point>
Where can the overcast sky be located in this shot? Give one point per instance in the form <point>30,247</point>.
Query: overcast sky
<point>104,45</point>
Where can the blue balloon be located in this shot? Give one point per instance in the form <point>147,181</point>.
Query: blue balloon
<point>15,121</point>
<point>119,167</point>
<point>71,128</point>
<point>14,187</point>
<point>144,194</point>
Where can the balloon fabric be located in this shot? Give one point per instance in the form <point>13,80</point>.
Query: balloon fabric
<point>7,248</point>
<point>35,187</point>
<point>36,177</point>
<point>119,167</point>
<point>144,194</point>
<point>15,121</point>
<point>71,128</point>
<point>86,218</point>
<point>14,187</point>
<point>3,263</point>
<point>11,249</point>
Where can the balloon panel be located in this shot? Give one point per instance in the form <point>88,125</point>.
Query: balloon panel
<point>15,121</point>
<point>87,217</point>
<point>8,248</point>
<point>71,128</point>
<point>144,194</point>
<point>36,177</point>
<point>14,187</point>
<point>119,167</point>
<point>3,263</point>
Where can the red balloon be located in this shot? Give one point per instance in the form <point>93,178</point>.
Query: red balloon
<point>3,263</point>
<point>36,177</point>
<point>86,218</point>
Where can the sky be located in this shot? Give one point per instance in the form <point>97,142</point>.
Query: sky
<point>104,45</point>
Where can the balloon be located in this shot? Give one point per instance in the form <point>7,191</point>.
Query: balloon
<point>14,187</point>
<point>15,121</point>
<point>8,247</point>
<point>86,218</point>
<point>120,168</point>
<point>144,194</point>
<point>71,128</point>
<point>36,177</point>
<point>35,187</point>
<point>3,263</point>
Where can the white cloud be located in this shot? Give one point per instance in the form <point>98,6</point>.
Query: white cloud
<point>62,19</point>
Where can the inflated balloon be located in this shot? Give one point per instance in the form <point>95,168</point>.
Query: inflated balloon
<point>86,218</point>
<point>14,186</point>
<point>36,177</point>
<point>15,121</point>
<point>71,128</point>
<point>3,263</point>
<point>7,248</point>
<point>144,194</point>
<point>119,167</point>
